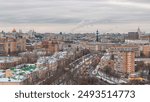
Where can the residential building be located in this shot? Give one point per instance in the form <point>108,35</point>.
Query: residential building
<point>51,46</point>
<point>12,46</point>
<point>24,75</point>
<point>124,56</point>
<point>128,62</point>
<point>146,50</point>
<point>133,35</point>
<point>8,62</point>
<point>107,60</point>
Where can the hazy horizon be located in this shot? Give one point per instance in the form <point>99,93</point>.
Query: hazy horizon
<point>75,15</point>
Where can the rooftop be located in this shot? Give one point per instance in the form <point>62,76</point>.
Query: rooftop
<point>8,59</point>
<point>52,59</point>
<point>20,74</point>
<point>9,80</point>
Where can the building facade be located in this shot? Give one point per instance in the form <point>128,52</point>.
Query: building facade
<point>133,35</point>
<point>146,50</point>
<point>12,46</point>
<point>124,57</point>
<point>128,62</point>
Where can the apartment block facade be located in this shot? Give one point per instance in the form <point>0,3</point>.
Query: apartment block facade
<point>11,46</point>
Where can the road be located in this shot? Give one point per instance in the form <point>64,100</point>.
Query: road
<point>80,68</point>
<point>109,79</point>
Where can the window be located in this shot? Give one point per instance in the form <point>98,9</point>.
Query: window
<point>1,47</point>
<point>9,45</point>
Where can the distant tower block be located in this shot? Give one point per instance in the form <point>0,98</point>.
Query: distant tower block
<point>20,31</point>
<point>97,35</point>
<point>139,31</point>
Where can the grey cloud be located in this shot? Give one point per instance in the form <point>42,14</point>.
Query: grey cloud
<point>79,12</point>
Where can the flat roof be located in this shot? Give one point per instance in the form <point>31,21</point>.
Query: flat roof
<point>19,75</point>
<point>1,74</point>
<point>8,59</point>
<point>142,59</point>
<point>7,80</point>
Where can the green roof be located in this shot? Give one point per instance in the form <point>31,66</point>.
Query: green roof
<point>29,68</point>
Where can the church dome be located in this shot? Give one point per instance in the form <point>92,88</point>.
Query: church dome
<point>14,30</point>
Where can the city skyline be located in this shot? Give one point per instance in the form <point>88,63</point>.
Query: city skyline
<point>75,15</point>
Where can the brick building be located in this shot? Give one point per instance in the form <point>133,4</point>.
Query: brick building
<point>124,58</point>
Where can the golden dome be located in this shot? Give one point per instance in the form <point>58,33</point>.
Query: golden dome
<point>14,30</point>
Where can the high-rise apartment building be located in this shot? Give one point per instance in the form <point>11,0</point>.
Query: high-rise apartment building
<point>124,58</point>
<point>128,62</point>
<point>146,50</point>
<point>124,62</point>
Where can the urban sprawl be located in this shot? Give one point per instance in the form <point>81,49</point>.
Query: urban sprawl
<point>74,59</point>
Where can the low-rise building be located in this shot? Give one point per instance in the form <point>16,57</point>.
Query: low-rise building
<point>52,61</point>
<point>107,60</point>
<point>145,60</point>
<point>12,46</point>
<point>8,62</point>
<point>24,75</point>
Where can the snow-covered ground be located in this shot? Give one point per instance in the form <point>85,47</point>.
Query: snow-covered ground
<point>79,64</point>
<point>110,80</point>
<point>52,59</point>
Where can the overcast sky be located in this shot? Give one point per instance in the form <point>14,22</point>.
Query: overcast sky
<point>75,15</point>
